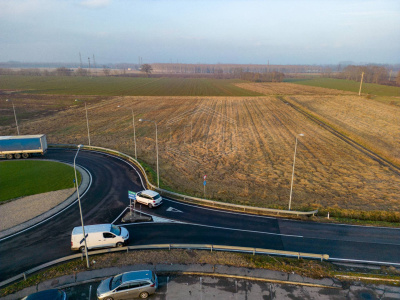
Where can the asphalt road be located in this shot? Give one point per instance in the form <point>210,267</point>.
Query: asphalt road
<point>108,197</point>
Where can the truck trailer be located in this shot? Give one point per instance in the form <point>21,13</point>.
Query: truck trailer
<point>22,146</point>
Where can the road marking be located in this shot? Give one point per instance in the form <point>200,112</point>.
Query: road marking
<point>363,261</point>
<point>244,230</point>
<point>274,218</point>
<point>155,219</point>
<point>56,214</point>
<point>171,209</point>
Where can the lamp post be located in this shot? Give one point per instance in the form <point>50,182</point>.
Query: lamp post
<point>294,161</point>
<point>80,208</point>
<point>15,115</point>
<point>134,130</point>
<point>158,174</point>
<point>87,119</point>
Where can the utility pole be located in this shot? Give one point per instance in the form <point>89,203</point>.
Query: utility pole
<point>80,59</point>
<point>94,62</point>
<point>362,77</point>
<point>89,66</point>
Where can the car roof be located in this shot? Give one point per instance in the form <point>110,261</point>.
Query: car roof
<point>150,193</point>
<point>52,294</point>
<point>136,275</point>
<point>92,228</point>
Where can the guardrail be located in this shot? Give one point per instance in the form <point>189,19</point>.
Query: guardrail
<point>190,199</point>
<point>211,248</point>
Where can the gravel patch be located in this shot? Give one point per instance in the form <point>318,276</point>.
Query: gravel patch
<point>24,209</point>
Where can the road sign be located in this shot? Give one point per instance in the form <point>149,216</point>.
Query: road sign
<point>132,195</point>
<point>204,177</point>
<point>204,182</point>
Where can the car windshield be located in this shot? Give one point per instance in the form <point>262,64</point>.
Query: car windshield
<point>157,197</point>
<point>115,229</point>
<point>116,282</point>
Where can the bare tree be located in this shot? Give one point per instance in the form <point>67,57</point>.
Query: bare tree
<point>146,68</point>
<point>106,71</point>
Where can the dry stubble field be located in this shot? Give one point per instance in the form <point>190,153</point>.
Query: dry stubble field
<point>244,145</point>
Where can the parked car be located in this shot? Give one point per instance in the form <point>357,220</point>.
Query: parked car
<point>128,285</point>
<point>52,294</point>
<point>99,236</point>
<point>149,197</point>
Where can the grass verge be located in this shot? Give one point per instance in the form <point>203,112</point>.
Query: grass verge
<point>309,268</point>
<point>20,178</point>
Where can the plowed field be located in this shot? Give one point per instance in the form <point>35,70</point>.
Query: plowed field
<point>245,146</point>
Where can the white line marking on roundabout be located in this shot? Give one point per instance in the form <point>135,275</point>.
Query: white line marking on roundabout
<point>57,213</point>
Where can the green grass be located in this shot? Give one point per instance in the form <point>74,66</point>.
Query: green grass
<point>21,178</point>
<point>123,86</point>
<point>349,85</point>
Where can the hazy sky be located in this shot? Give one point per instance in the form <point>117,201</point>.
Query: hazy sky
<point>201,31</point>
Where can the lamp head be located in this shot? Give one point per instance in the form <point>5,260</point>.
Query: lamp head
<point>301,134</point>
<point>140,120</point>
<point>79,146</point>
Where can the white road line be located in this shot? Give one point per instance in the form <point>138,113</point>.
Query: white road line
<point>244,230</point>
<point>120,215</point>
<point>219,210</point>
<point>163,220</point>
<point>363,261</point>
<point>238,213</point>
<point>49,218</point>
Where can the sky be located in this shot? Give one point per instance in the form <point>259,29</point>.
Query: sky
<point>201,31</point>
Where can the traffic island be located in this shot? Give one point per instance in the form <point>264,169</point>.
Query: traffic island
<point>135,217</point>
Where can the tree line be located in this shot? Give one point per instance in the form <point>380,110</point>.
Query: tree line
<point>372,74</point>
<point>61,71</point>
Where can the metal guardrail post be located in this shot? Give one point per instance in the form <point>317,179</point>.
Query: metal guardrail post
<point>168,246</point>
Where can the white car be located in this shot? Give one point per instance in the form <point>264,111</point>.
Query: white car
<point>149,197</point>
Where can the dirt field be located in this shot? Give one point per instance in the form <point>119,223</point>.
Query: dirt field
<point>285,88</point>
<point>245,146</point>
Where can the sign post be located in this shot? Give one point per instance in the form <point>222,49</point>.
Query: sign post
<point>204,183</point>
<point>132,196</point>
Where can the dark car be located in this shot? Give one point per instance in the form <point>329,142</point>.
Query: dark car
<point>53,294</point>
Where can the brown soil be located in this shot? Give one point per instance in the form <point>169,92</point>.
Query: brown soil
<point>245,146</point>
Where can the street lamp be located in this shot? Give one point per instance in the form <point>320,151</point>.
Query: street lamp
<point>80,208</point>
<point>158,174</point>
<point>87,120</point>
<point>15,115</point>
<point>294,161</point>
<point>134,130</point>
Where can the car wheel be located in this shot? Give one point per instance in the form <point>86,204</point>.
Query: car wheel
<point>109,298</point>
<point>9,156</point>
<point>144,295</point>
<point>82,249</point>
<point>17,155</point>
<point>119,245</point>
<point>150,205</point>
<point>25,155</point>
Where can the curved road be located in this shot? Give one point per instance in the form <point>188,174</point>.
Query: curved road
<point>107,198</point>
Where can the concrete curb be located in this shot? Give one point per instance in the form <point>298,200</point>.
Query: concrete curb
<point>204,270</point>
<point>83,186</point>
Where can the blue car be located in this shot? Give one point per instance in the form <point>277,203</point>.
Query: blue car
<point>53,294</point>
